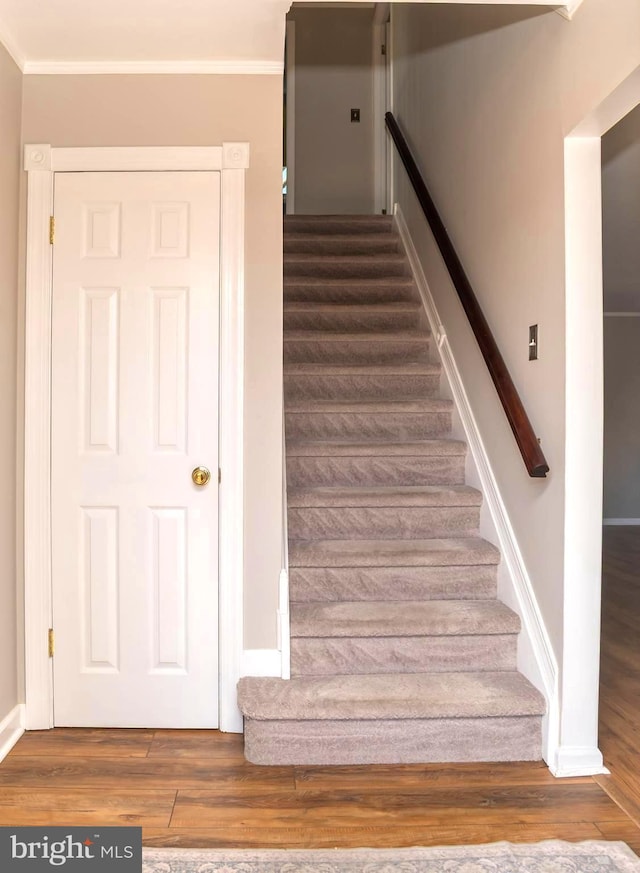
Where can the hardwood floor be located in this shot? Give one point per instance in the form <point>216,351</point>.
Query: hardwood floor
<point>194,788</point>
<point>620,667</point>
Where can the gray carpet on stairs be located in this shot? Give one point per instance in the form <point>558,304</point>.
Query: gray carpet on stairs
<point>399,649</point>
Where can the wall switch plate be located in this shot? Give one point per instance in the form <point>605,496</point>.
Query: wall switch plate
<point>355,115</point>
<point>533,342</point>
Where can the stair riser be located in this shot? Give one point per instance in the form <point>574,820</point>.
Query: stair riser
<point>355,352</point>
<point>333,225</point>
<point>360,294</point>
<point>331,657</point>
<point>349,268</point>
<point>394,470</point>
<point>366,244</point>
<point>396,741</point>
<point>332,584</point>
<point>389,523</point>
<point>351,321</point>
<point>352,387</point>
<point>373,426</point>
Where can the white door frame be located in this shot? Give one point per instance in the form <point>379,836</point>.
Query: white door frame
<point>381,96</point>
<point>578,752</point>
<point>41,161</point>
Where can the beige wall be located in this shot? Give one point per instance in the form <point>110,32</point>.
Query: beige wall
<point>621,497</point>
<point>10,108</point>
<point>205,110</point>
<point>333,74</point>
<point>486,95</point>
<point>621,214</point>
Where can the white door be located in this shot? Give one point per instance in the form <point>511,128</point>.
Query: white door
<point>134,411</point>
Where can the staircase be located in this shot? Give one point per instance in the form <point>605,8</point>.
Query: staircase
<point>400,651</point>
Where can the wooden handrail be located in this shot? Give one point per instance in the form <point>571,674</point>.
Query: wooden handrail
<point>526,439</point>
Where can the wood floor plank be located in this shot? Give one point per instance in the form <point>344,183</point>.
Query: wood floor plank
<point>85,742</point>
<point>145,772</point>
<point>363,836</point>
<point>620,667</point>
<point>623,791</point>
<point>626,831</point>
<point>28,806</point>
<point>197,744</point>
<point>419,777</point>
<point>491,805</point>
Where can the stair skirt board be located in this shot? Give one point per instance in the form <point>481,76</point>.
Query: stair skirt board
<point>400,651</point>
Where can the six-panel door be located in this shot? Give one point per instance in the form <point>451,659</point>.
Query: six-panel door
<point>134,411</point>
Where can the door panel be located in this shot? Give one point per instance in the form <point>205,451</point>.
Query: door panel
<point>134,410</point>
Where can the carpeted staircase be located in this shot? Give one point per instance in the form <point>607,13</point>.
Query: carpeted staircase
<point>400,651</point>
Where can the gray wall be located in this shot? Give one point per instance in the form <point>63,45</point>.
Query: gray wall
<point>10,108</point>
<point>333,74</point>
<point>205,110</point>
<point>621,497</point>
<point>621,214</point>
<point>621,254</point>
<point>487,95</point>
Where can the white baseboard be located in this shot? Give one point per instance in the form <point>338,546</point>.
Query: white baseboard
<point>261,662</point>
<point>630,522</point>
<point>11,729</point>
<point>541,666</point>
<point>578,761</point>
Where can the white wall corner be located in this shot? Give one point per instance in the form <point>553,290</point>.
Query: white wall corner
<point>536,658</point>
<point>569,9</point>
<point>235,155</point>
<point>37,156</point>
<point>578,761</point>
<point>11,729</point>
<point>261,662</point>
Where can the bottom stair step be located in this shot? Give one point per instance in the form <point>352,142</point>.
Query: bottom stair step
<point>407,718</point>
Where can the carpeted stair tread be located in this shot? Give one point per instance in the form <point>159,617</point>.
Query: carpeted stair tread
<point>337,223</point>
<point>381,495</point>
<point>323,368</point>
<point>348,291</point>
<point>390,696</point>
<point>419,337</point>
<point>346,449</point>
<point>392,553</point>
<point>403,619</point>
<point>404,281</point>
<point>371,242</point>
<point>351,264</point>
<point>337,584</point>
<point>380,407</point>
<point>339,308</point>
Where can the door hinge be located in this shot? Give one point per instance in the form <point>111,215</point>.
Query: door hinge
<point>51,642</point>
<point>383,49</point>
<point>219,475</point>
<point>52,230</point>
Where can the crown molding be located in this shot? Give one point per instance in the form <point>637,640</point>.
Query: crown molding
<point>569,9</point>
<point>12,48</point>
<point>173,68</point>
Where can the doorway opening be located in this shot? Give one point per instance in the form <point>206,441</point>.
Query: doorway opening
<point>337,89</point>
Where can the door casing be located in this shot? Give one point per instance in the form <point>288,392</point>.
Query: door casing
<point>41,161</point>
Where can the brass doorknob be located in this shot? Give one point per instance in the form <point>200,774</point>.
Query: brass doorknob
<point>200,476</point>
